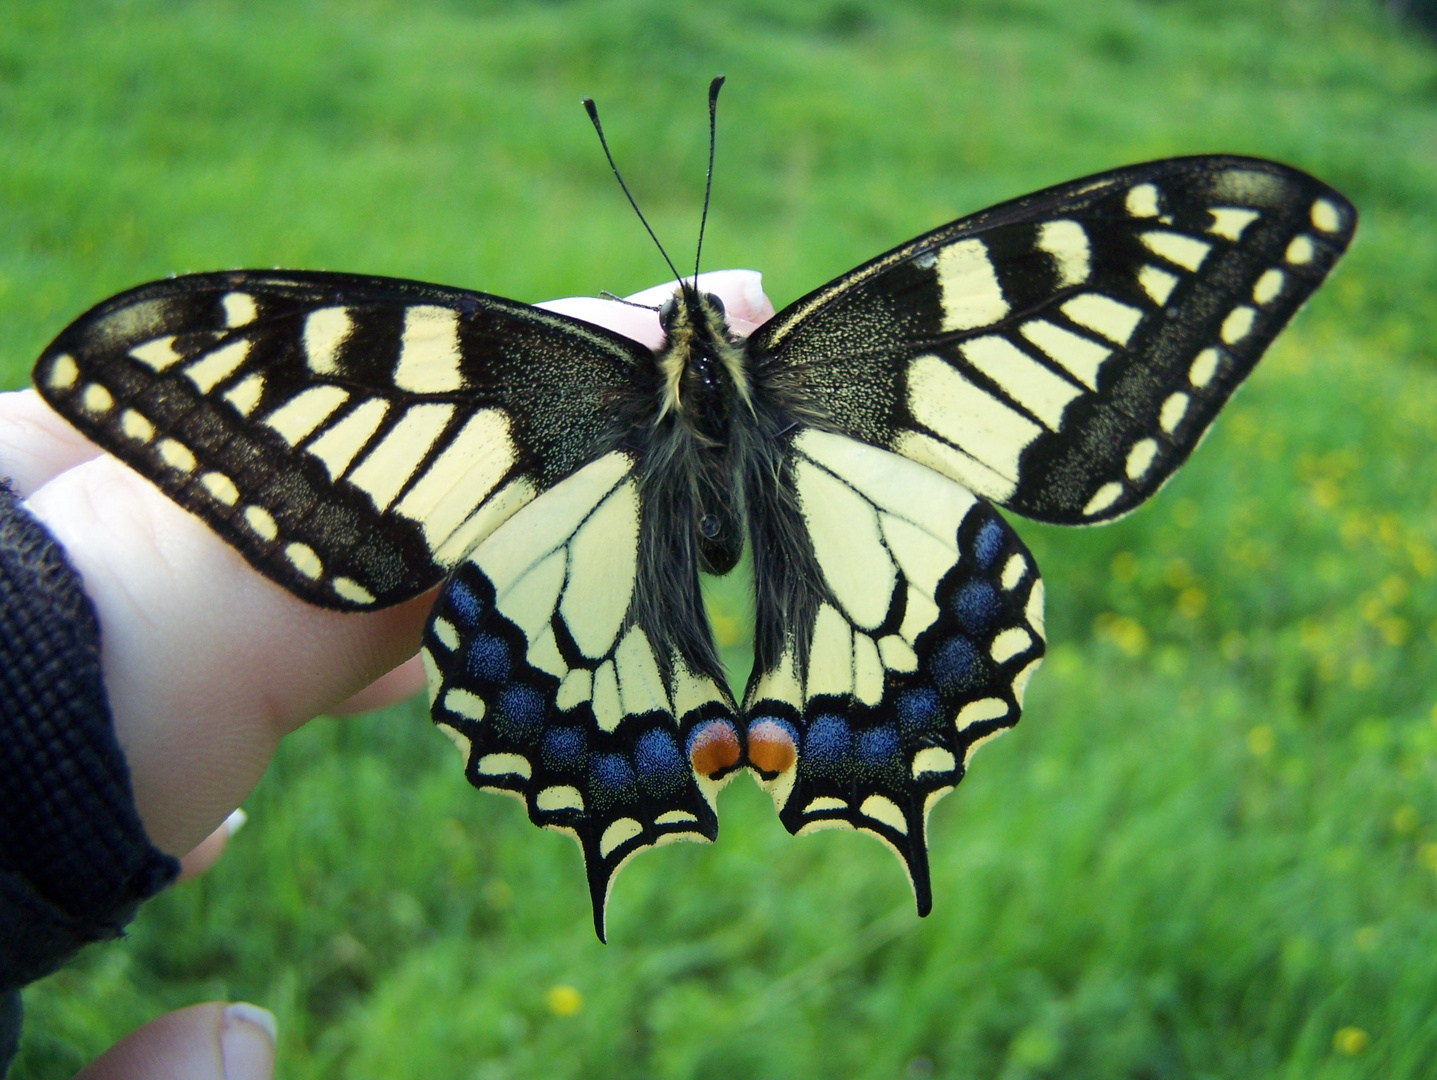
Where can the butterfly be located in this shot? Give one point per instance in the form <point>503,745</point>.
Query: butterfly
<point>361,440</point>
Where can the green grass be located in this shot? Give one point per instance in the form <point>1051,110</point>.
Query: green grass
<point>1210,848</point>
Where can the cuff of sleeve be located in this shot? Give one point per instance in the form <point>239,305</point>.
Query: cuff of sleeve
<point>74,858</point>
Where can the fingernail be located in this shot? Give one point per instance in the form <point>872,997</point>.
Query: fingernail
<point>236,821</point>
<point>247,1041</point>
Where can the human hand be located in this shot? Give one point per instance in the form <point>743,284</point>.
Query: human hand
<point>207,663</point>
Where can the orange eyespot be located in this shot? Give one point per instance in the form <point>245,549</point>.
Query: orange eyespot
<point>771,749</point>
<point>714,748</point>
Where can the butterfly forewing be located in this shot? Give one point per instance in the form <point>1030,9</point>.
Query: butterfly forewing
<point>1062,354</point>
<point>351,436</point>
<point>930,627</point>
<point>555,694</point>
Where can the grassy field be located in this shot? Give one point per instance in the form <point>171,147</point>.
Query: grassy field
<point>1209,850</point>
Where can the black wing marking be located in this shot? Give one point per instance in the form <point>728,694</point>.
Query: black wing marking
<point>352,436</point>
<point>556,695</point>
<point>1063,353</point>
<point>931,626</point>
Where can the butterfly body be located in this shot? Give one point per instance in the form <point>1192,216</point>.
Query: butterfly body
<point>361,440</point>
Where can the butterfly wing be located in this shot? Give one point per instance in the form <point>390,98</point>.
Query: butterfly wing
<point>352,436</point>
<point>929,627</point>
<point>554,692</point>
<point>1063,353</point>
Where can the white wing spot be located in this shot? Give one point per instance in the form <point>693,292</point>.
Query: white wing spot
<point>303,558</point>
<point>301,414</point>
<point>607,709</point>
<point>1103,498</point>
<point>325,331</point>
<point>1177,248</point>
<point>261,521</point>
<point>337,447</point>
<point>63,372</point>
<point>933,759</point>
<point>1009,644</point>
<point>971,295</point>
<point>445,632</point>
<point>239,309</point>
<point>562,797</point>
<point>1326,216</point>
<point>1013,571</point>
<point>1067,243</point>
<point>176,455</point>
<point>620,832</point>
<point>1173,411</point>
<point>1020,681</point>
<point>675,817</point>
<point>1142,201</point>
<point>1104,315</point>
<point>1081,357</point>
<point>461,742</point>
<point>1268,286</point>
<point>464,703</point>
<point>429,351</point>
<point>975,712</point>
<point>213,368</point>
<point>1158,284</point>
<point>1033,612</point>
<point>1140,458</point>
<point>1300,251</point>
<point>1204,367</point>
<point>136,427</point>
<point>158,354</point>
<point>886,811</point>
<point>1229,222</point>
<point>824,803</point>
<point>390,465</point>
<point>505,765</point>
<point>96,399</point>
<point>245,394</point>
<point>1238,324</point>
<point>1022,378</point>
<point>352,590</point>
<point>220,487</point>
<point>896,654</point>
<point>577,687</point>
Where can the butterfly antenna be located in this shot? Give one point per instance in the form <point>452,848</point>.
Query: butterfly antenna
<point>714,88</point>
<point>604,294</point>
<point>593,111</point>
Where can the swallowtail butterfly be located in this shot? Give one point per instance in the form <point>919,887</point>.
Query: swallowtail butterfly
<point>361,440</point>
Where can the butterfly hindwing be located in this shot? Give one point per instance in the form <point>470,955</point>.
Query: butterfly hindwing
<point>555,694</point>
<point>1062,354</point>
<point>351,436</point>
<point>930,627</point>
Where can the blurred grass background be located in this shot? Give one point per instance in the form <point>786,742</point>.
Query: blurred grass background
<point>1209,850</point>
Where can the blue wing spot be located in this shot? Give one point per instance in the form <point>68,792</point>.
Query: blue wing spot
<point>877,750</point>
<point>520,713</point>
<point>988,544</point>
<point>975,606</point>
<point>465,604</point>
<point>828,747</point>
<point>565,749</point>
<point>488,659</point>
<point>611,780</point>
<point>918,710</point>
<point>956,666</point>
<point>662,769</point>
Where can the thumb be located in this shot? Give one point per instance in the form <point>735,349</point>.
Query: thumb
<point>213,1041</point>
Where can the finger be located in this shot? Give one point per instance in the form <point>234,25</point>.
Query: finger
<point>200,858</point>
<point>36,442</point>
<point>213,1041</point>
<point>397,685</point>
<point>206,662</point>
<point>740,290</point>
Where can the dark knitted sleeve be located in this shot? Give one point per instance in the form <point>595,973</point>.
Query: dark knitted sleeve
<point>74,859</point>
